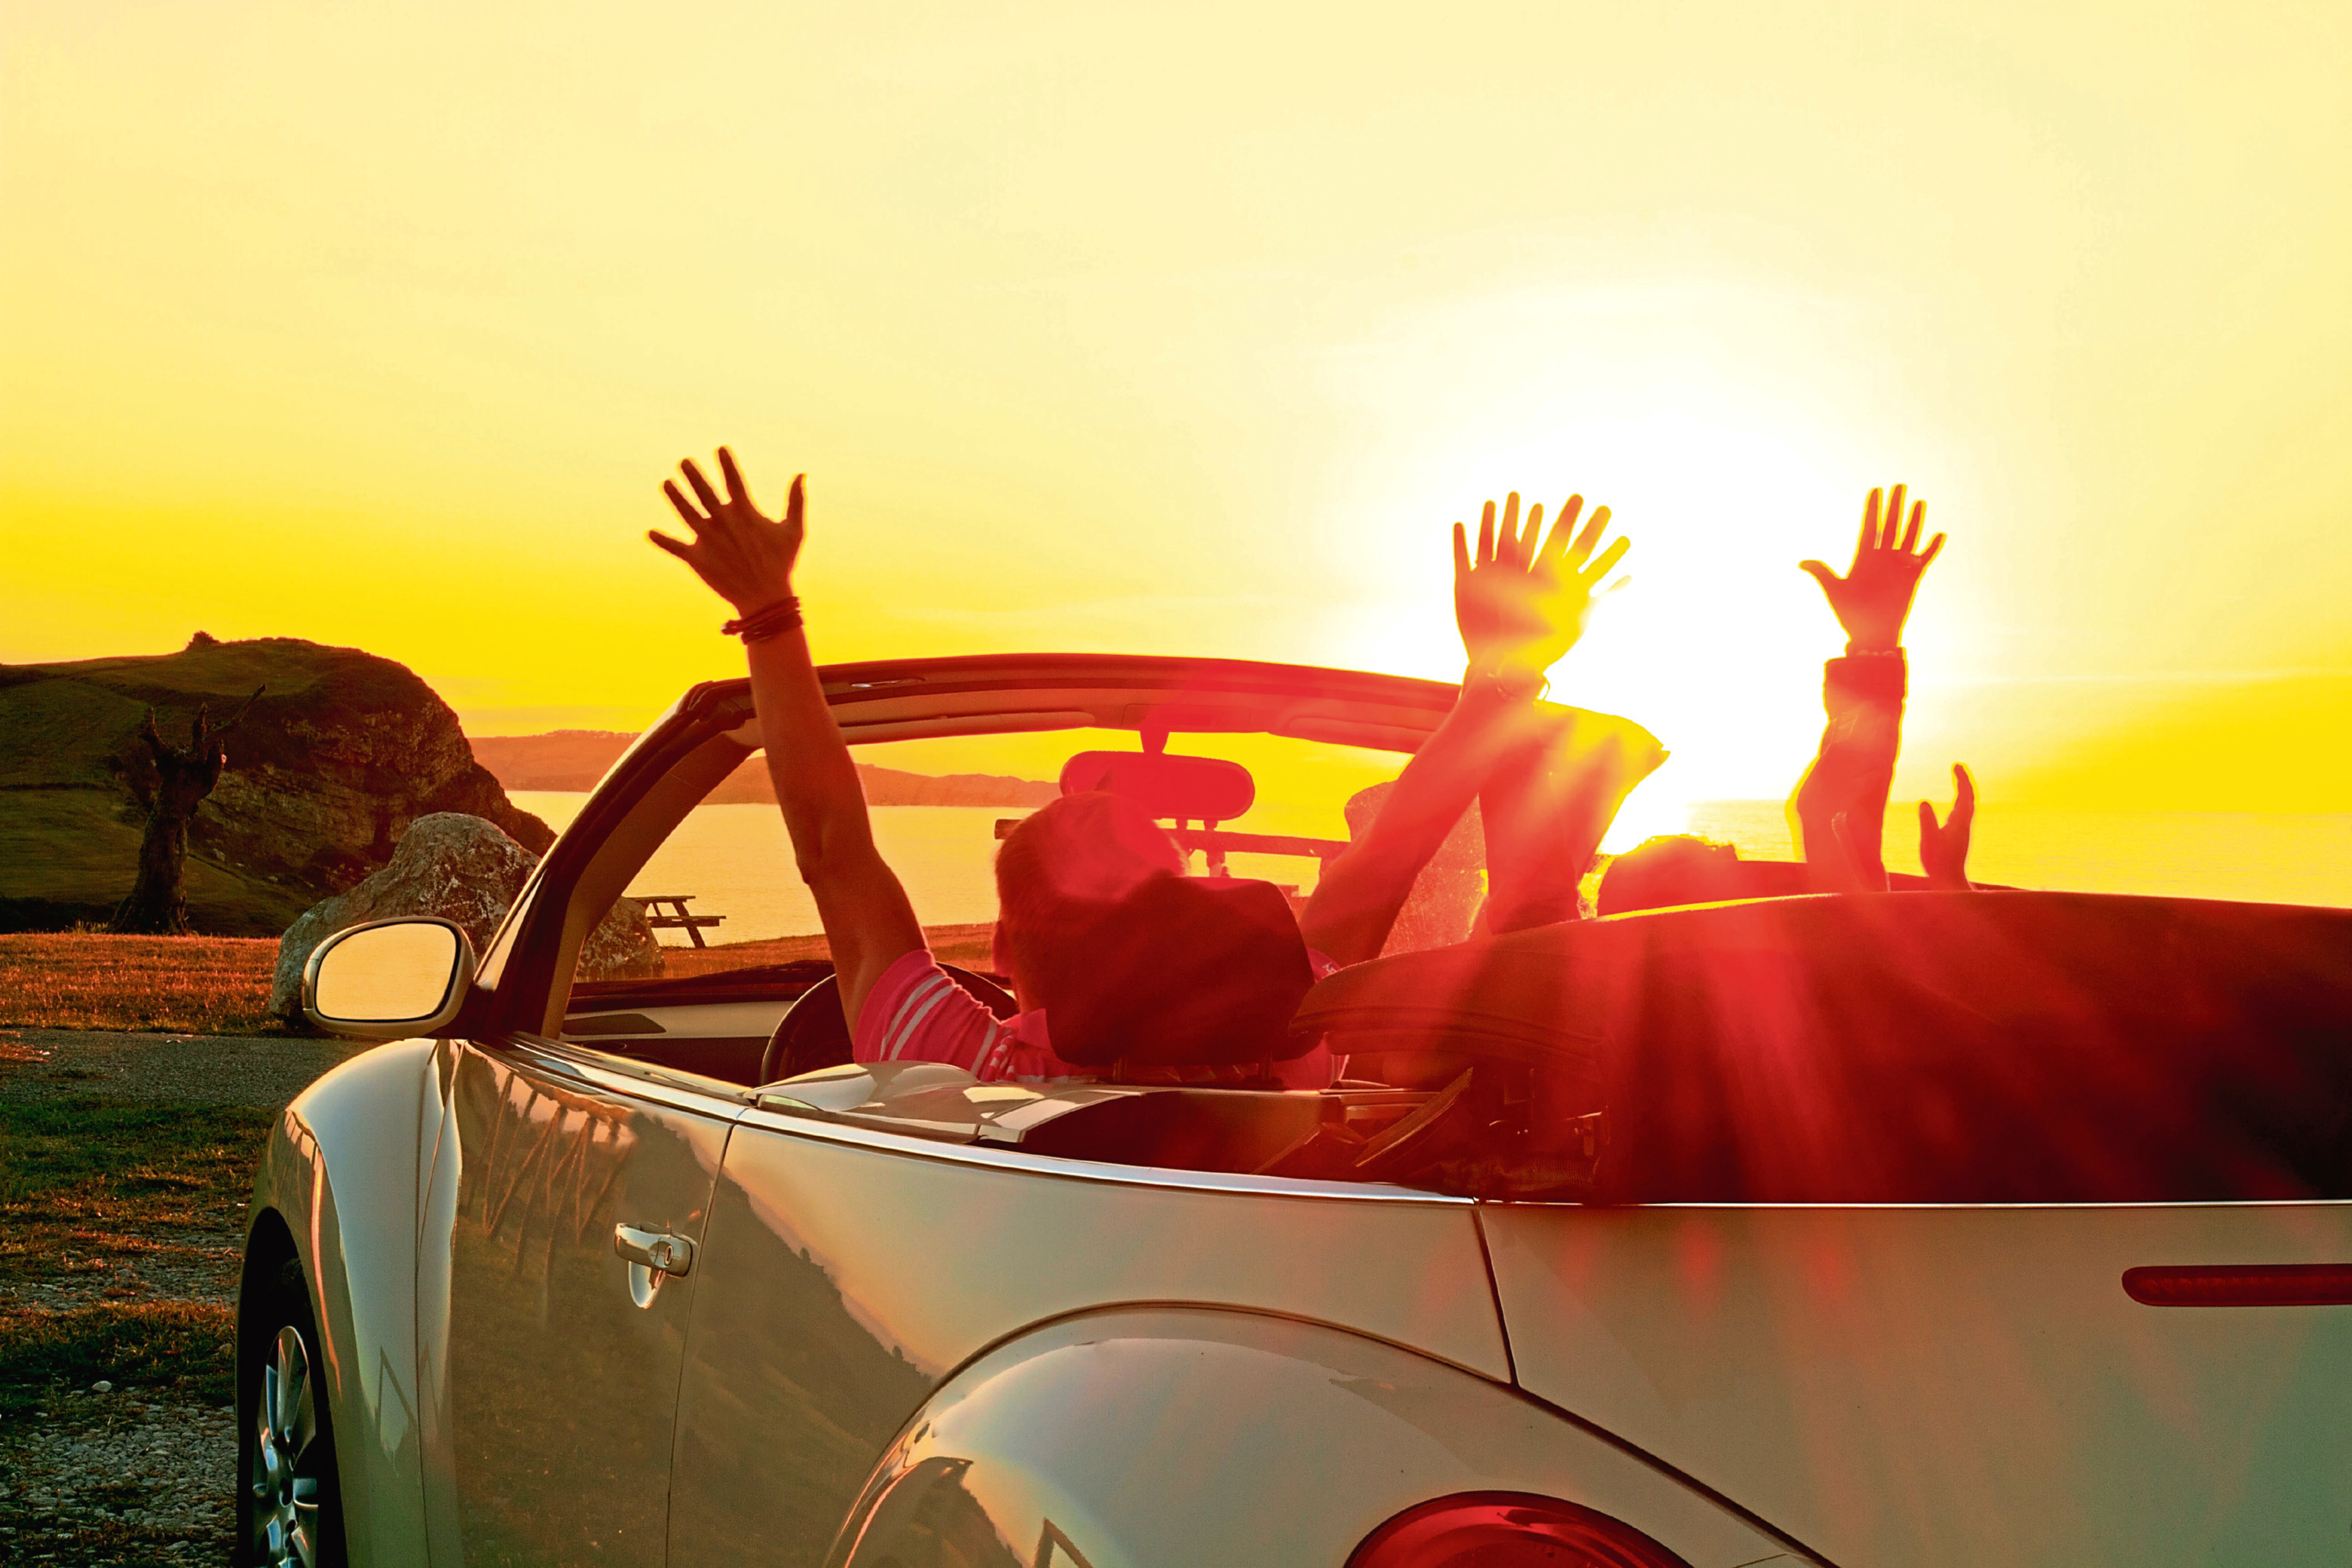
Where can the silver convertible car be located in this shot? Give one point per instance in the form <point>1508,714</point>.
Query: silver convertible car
<point>1916,1230</point>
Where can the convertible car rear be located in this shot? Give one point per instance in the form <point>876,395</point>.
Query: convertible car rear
<point>1922,1230</point>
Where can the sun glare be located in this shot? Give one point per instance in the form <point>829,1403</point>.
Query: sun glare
<point>1731,425</point>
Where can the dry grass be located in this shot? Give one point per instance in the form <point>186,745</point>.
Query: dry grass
<point>188,1348</point>
<point>184,985</point>
<point>220,986</point>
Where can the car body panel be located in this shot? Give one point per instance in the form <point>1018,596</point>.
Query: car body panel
<point>851,1270</point>
<point>341,1172</point>
<point>1261,1441</point>
<point>1933,1387</point>
<point>555,1371</point>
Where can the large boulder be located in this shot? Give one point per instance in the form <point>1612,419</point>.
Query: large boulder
<point>466,871</point>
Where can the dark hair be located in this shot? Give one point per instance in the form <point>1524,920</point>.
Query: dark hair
<point>1134,962</point>
<point>1065,862</point>
<point>1671,869</point>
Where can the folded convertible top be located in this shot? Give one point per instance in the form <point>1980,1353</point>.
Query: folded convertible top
<point>1915,1046</point>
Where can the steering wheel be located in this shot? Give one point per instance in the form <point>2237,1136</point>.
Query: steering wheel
<point>812,1034</point>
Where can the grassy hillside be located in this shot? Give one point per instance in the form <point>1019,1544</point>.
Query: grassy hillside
<point>325,772</point>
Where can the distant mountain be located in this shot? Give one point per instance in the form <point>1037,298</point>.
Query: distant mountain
<point>325,773</point>
<point>576,759</point>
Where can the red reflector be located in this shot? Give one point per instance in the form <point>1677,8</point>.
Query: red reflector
<point>2241,1285</point>
<point>1507,1529</point>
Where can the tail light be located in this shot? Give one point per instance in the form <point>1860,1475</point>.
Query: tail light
<point>2241,1285</point>
<point>1507,1529</point>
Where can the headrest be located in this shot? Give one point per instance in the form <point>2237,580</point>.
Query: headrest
<point>1183,971</point>
<point>1190,789</point>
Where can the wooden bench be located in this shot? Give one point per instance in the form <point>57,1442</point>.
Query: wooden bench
<point>678,919</point>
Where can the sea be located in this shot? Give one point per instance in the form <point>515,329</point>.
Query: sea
<point>735,860</point>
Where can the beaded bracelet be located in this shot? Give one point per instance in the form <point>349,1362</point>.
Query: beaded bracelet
<point>776,619</point>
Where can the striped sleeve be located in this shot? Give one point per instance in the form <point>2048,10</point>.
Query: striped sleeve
<point>915,1013</point>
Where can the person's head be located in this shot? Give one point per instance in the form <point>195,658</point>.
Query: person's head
<point>1672,870</point>
<point>1136,964</point>
<point>1064,863</point>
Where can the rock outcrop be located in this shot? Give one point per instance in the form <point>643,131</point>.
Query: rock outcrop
<point>325,774</point>
<point>466,871</point>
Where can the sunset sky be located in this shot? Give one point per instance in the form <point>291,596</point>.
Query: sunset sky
<point>1190,328</point>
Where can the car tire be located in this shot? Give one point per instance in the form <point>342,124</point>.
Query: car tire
<point>288,1499</point>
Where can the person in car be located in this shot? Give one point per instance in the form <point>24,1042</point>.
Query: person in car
<point>1098,929</point>
<point>1838,811</point>
<point>1838,814</point>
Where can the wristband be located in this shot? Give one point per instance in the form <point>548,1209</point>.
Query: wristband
<point>776,619</point>
<point>1517,685</point>
<point>1883,676</point>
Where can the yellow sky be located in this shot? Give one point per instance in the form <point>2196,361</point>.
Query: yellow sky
<point>1188,329</point>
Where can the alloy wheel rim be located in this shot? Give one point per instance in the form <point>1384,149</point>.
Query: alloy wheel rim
<point>284,1476</point>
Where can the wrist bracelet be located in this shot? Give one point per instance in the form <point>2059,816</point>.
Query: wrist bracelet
<point>776,619</point>
<point>1515,684</point>
<point>1853,652</point>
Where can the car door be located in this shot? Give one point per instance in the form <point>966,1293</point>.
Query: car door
<point>551,1359</point>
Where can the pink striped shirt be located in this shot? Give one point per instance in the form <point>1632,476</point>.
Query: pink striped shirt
<point>915,1013</point>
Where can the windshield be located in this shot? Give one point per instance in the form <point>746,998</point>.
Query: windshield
<point>721,894</point>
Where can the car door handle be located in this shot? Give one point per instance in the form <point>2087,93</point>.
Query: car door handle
<point>657,1249</point>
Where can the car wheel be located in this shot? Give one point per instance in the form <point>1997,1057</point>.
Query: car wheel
<point>290,1510</point>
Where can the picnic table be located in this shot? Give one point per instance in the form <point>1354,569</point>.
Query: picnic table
<point>677,918</point>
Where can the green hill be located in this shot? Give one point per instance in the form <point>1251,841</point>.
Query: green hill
<point>325,773</point>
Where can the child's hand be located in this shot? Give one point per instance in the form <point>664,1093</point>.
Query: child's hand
<point>1944,849</point>
<point>1874,598</point>
<point>1523,603</point>
<point>746,559</point>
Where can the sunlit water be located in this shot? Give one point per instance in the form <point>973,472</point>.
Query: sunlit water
<point>734,860</point>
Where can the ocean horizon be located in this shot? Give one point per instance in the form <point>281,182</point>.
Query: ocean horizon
<point>736,861</point>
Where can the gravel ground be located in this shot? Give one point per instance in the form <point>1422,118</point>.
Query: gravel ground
<point>194,1266</point>
<point>118,1479</point>
<point>123,1478</point>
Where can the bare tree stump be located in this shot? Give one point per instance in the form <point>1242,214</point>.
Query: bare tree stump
<point>158,902</point>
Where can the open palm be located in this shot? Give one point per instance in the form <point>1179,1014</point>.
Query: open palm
<point>1873,600</point>
<point>1522,599</point>
<point>744,557</point>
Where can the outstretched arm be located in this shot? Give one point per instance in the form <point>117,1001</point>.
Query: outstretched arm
<point>1552,797</point>
<point>748,561</point>
<point>1839,810</point>
<point>1357,896</point>
<point>1520,603</point>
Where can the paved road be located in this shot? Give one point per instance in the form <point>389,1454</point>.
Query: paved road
<point>210,1070</point>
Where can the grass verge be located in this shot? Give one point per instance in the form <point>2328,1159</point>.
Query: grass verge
<point>186,1348</point>
<point>184,985</point>
<point>82,1179</point>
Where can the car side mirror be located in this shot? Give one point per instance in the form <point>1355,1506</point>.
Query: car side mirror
<point>389,980</point>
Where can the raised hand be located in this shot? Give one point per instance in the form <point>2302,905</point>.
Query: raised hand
<point>1522,599</point>
<point>1874,598</point>
<point>1944,849</point>
<point>746,558</point>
